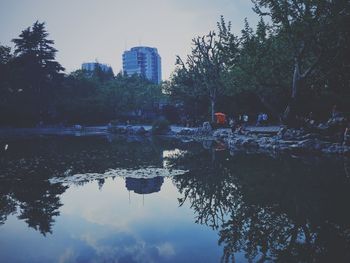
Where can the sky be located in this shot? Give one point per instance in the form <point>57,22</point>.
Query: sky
<point>90,30</point>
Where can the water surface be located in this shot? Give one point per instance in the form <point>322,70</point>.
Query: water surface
<point>114,199</point>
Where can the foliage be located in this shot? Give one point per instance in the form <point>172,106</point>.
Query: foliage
<point>160,126</point>
<point>315,34</point>
<point>201,75</point>
<point>88,99</point>
<point>34,90</point>
<point>297,60</point>
<point>295,64</point>
<point>32,75</point>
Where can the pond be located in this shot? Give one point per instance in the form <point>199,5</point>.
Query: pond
<point>117,199</point>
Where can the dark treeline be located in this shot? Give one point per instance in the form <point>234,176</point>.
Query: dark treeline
<point>35,90</point>
<point>295,63</point>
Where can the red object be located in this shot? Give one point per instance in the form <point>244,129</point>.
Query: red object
<point>220,118</point>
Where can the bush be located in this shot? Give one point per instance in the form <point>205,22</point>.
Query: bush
<point>114,122</point>
<point>161,126</point>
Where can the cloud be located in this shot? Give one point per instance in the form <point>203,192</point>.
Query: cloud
<point>84,30</point>
<point>122,247</point>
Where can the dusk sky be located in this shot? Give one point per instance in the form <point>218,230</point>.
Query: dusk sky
<point>86,30</point>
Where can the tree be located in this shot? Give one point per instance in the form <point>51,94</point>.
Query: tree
<point>85,98</point>
<point>5,54</point>
<point>204,68</point>
<point>261,68</point>
<point>310,27</point>
<point>36,69</point>
<point>5,69</point>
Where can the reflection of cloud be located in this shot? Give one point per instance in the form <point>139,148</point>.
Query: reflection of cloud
<point>114,209</point>
<point>166,250</point>
<point>67,256</point>
<point>122,247</point>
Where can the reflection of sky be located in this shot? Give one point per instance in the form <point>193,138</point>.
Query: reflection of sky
<point>114,225</point>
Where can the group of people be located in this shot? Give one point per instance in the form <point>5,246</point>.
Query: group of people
<point>262,119</point>
<point>237,125</point>
<point>243,119</point>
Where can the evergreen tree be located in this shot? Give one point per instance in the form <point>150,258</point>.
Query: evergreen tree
<point>37,72</point>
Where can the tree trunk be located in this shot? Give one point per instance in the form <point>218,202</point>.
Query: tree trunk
<point>212,101</point>
<point>212,95</point>
<point>290,114</point>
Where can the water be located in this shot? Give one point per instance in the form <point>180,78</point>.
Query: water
<point>112,199</point>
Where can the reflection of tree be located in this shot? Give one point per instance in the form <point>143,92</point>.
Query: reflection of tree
<point>36,200</point>
<point>7,207</point>
<point>270,209</point>
<point>39,203</point>
<point>28,164</point>
<point>205,188</point>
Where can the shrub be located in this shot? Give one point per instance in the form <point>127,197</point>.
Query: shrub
<point>114,122</point>
<point>160,126</point>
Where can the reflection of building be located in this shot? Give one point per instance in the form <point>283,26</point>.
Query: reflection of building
<point>143,61</point>
<point>143,185</point>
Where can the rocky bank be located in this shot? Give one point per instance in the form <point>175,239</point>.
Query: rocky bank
<point>293,141</point>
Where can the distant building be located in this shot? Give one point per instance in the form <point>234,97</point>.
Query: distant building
<point>91,66</point>
<point>143,61</point>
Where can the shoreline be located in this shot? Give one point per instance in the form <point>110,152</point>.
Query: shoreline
<point>250,141</point>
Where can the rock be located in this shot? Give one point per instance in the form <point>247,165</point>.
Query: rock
<point>334,148</point>
<point>205,130</point>
<point>292,134</point>
<point>117,130</point>
<point>266,143</point>
<point>242,142</point>
<point>78,127</point>
<point>346,149</point>
<point>140,131</point>
<point>170,133</point>
<point>187,140</point>
<point>250,143</point>
<point>186,132</point>
<point>221,133</point>
<point>308,144</point>
<point>310,136</point>
<point>130,130</point>
<point>206,127</point>
<point>293,141</point>
<point>207,144</point>
<point>338,121</point>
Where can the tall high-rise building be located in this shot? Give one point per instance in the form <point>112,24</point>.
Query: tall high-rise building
<point>143,61</point>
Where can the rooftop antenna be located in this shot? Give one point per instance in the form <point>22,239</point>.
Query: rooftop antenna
<point>125,45</point>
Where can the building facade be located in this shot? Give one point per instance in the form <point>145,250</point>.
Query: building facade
<point>143,61</point>
<point>91,66</point>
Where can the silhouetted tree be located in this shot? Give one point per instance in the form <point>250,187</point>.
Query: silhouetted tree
<point>37,73</point>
